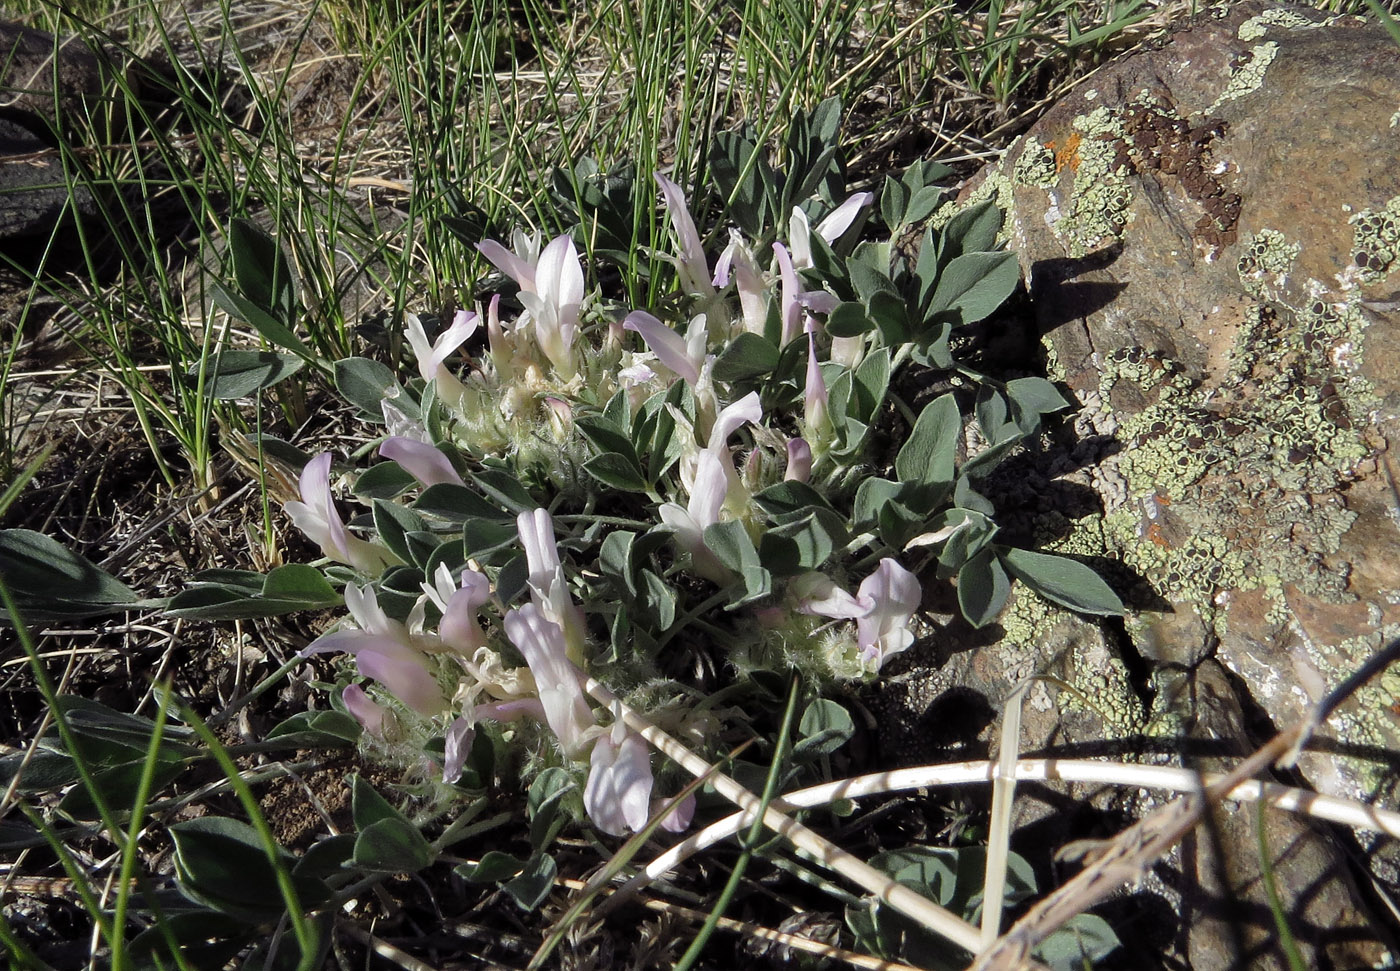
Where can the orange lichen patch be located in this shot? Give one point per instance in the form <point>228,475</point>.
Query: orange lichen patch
<point>1154,533</point>
<point>1068,154</point>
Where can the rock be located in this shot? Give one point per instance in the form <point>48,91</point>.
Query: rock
<point>1211,232</point>
<point>33,60</point>
<point>45,84</point>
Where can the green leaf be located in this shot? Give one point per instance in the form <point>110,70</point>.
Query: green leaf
<point>392,521</point>
<point>493,867</point>
<point>1033,397</point>
<point>317,729</point>
<point>824,727</point>
<point>392,846</point>
<point>929,454</point>
<point>51,582</point>
<point>367,806</point>
<point>261,269</point>
<point>730,543</point>
<point>529,889</point>
<point>744,182</point>
<point>606,436</point>
<point>1063,581</point>
<point>383,481</point>
<point>544,803</point>
<point>297,581</point>
<point>849,319</point>
<point>975,284</point>
<point>1084,940</point>
<point>894,200</point>
<point>365,384</point>
<point>783,498</point>
<point>505,489</point>
<point>660,599</point>
<point>457,504</point>
<point>868,280</point>
<point>872,496</point>
<point>812,539</point>
<point>891,318</point>
<point>223,864</point>
<point>974,230</point>
<point>241,373</point>
<point>983,587</point>
<point>748,357</point>
<point>273,330</point>
<point>871,380</point>
<point>922,204</point>
<point>116,784</point>
<point>616,471</point>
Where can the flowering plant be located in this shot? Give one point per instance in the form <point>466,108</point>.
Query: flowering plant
<point>580,487</point>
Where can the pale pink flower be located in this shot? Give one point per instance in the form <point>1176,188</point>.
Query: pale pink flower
<point>799,461</point>
<point>692,266</point>
<point>518,265</point>
<point>882,608</point>
<point>817,594</point>
<point>457,746</point>
<point>459,628</point>
<point>816,420</point>
<point>365,710</point>
<point>679,812</point>
<point>894,595</point>
<point>423,461</point>
<point>714,485</point>
<point>831,228</point>
<point>684,356</point>
<point>541,642</point>
<point>554,303</point>
<point>432,357</point>
<point>789,299</point>
<point>748,281</point>
<point>383,650</point>
<point>316,516</point>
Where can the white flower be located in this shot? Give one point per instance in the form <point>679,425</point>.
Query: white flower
<point>548,588</point>
<point>431,357</point>
<point>894,595</point>
<point>618,793</point>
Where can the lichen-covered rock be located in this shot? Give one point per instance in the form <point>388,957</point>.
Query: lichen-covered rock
<point>1211,235</point>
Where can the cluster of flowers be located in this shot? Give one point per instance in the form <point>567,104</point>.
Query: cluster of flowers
<point>522,392</point>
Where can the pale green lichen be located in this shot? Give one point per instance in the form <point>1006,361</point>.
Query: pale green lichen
<point>1035,166</point>
<point>1100,684</point>
<point>1239,489</point>
<point>1376,240</point>
<point>1249,75</point>
<point>1098,207</point>
<point>1266,261</point>
<point>1258,25</point>
<point>1054,367</point>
